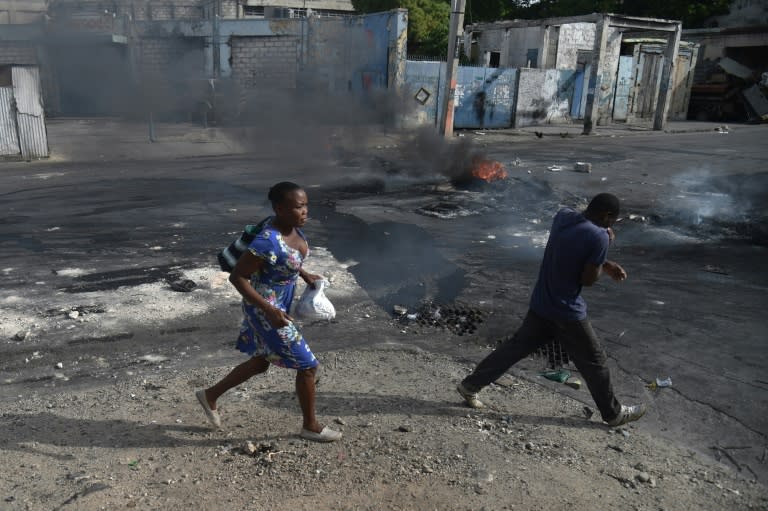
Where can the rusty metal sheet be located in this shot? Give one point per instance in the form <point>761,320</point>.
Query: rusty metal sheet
<point>9,140</point>
<point>757,101</point>
<point>30,117</point>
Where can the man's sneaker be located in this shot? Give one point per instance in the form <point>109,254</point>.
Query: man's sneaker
<point>469,397</point>
<point>627,414</point>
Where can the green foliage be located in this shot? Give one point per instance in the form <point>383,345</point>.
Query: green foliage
<point>427,22</point>
<point>428,19</point>
<point>692,14</point>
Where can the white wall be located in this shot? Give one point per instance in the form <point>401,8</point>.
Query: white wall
<point>573,37</point>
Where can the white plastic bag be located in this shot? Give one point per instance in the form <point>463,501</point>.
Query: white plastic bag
<point>314,305</point>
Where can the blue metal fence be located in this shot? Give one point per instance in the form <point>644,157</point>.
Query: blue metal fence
<point>484,96</point>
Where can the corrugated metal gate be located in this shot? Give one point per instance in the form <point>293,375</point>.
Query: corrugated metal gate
<point>9,139</point>
<point>22,120</point>
<point>30,117</point>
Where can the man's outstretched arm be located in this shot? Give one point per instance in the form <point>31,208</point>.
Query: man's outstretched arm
<point>591,272</point>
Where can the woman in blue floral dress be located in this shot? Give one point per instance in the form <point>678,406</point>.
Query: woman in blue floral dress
<point>265,275</point>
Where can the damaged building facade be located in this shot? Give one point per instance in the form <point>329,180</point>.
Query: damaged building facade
<point>731,81</point>
<point>598,68</point>
<point>183,59</point>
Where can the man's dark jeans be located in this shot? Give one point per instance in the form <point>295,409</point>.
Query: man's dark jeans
<point>578,339</point>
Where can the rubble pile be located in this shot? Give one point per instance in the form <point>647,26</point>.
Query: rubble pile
<point>727,90</point>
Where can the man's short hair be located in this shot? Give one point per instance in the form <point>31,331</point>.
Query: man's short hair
<point>604,203</point>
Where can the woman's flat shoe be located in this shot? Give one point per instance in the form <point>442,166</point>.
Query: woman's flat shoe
<point>326,435</point>
<point>213,415</point>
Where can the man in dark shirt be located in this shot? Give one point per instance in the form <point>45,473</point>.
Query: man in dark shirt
<point>575,256</point>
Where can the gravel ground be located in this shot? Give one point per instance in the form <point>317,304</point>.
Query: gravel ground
<point>409,443</point>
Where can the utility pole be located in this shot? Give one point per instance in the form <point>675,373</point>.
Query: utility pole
<point>215,43</point>
<point>452,67</point>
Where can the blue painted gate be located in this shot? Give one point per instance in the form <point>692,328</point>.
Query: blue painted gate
<point>485,96</point>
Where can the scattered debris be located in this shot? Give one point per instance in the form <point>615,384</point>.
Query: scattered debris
<point>574,383</point>
<point>711,268</point>
<point>21,335</point>
<point>722,450</point>
<point>660,383</point>
<point>623,480</point>
<point>248,448</point>
<point>588,412</point>
<point>399,310</point>
<point>155,359</point>
<point>183,285</point>
<point>558,375</point>
<point>582,166</point>
<point>457,318</point>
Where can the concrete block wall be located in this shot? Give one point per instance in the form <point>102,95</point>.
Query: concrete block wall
<point>229,9</point>
<point>159,10</point>
<point>21,11</point>
<point>543,97</point>
<point>488,41</point>
<point>163,55</point>
<point>573,37</point>
<point>518,42</point>
<point>17,52</point>
<point>512,44</point>
<point>269,60</point>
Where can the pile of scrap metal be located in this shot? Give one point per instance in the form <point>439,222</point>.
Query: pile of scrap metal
<point>730,91</point>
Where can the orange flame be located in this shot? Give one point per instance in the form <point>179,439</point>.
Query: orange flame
<point>489,170</point>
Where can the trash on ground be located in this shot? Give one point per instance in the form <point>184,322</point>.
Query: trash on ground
<point>153,358</point>
<point>558,375</point>
<point>660,383</point>
<point>183,285</point>
<point>582,166</point>
<point>400,310</point>
<point>574,383</point>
